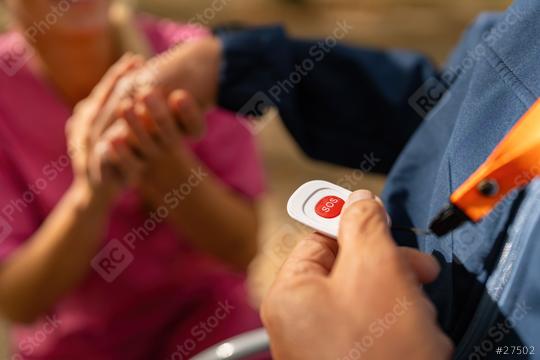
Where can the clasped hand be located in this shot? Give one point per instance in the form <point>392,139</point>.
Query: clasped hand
<point>122,133</point>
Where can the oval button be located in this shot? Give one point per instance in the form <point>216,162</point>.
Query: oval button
<point>329,207</point>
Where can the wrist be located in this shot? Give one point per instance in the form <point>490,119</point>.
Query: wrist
<point>186,163</point>
<point>214,56</point>
<point>194,67</point>
<point>84,196</point>
<point>180,167</point>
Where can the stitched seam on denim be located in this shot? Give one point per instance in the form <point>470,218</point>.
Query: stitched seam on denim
<point>525,95</point>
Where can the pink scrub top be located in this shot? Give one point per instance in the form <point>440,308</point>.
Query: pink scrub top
<point>161,299</point>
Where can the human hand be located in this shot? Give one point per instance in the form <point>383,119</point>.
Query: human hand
<point>192,66</point>
<point>96,162</point>
<point>157,123</point>
<point>154,127</point>
<point>360,296</point>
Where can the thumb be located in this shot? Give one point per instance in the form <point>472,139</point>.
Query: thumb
<point>188,112</point>
<point>364,236</point>
<point>364,223</point>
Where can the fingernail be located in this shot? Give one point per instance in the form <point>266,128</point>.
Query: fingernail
<point>144,92</point>
<point>388,218</point>
<point>360,195</point>
<point>175,99</point>
<point>176,93</point>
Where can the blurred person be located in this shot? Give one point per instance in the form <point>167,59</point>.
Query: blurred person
<point>167,221</point>
<point>353,103</point>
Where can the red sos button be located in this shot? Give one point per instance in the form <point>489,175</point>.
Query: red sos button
<point>329,207</point>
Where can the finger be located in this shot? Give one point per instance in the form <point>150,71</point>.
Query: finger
<point>189,113</point>
<point>162,116</point>
<point>106,151</point>
<point>360,194</point>
<point>368,195</point>
<point>314,255</point>
<point>101,163</point>
<point>100,106</point>
<point>107,84</point>
<point>424,265</point>
<point>363,222</point>
<point>144,141</point>
<point>367,248</point>
<point>129,165</point>
<point>388,218</point>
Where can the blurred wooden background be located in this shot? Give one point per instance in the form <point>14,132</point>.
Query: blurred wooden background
<point>429,26</point>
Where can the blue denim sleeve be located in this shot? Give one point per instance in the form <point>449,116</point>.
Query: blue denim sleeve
<point>341,104</point>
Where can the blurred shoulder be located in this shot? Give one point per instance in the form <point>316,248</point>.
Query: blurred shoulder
<point>14,54</point>
<point>164,33</point>
<point>6,39</point>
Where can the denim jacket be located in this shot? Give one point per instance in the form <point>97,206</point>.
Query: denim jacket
<point>431,128</point>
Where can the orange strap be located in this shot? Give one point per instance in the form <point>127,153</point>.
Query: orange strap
<point>513,164</point>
